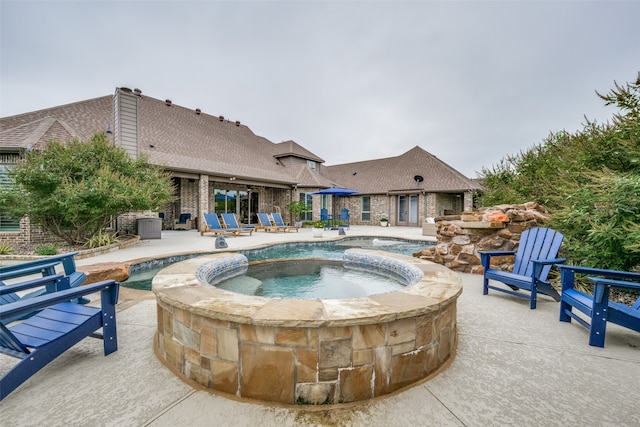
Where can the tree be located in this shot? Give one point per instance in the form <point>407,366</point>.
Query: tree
<point>589,180</point>
<point>74,190</point>
<point>297,208</point>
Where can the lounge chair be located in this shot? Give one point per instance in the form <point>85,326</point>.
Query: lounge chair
<point>277,219</point>
<point>212,225</point>
<point>230,222</point>
<point>536,255</point>
<point>266,225</point>
<point>597,307</point>
<point>59,326</point>
<point>184,223</point>
<point>44,267</point>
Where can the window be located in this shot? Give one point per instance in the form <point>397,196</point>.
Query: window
<point>366,208</point>
<point>324,201</point>
<point>311,164</point>
<point>307,199</point>
<point>7,162</point>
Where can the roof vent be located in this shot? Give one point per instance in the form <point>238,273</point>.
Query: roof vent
<point>418,178</point>
<point>237,122</point>
<point>221,118</point>
<point>167,102</point>
<point>198,111</point>
<point>137,91</point>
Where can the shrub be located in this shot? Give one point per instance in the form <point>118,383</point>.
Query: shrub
<point>74,190</point>
<point>46,250</point>
<point>6,248</point>
<point>101,239</point>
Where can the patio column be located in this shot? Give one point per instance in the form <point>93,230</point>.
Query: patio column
<point>203,200</point>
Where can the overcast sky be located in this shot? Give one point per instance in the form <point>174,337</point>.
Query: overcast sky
<point>470,82</point>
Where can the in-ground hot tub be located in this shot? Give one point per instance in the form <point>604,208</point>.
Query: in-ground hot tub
<point>306,351</point>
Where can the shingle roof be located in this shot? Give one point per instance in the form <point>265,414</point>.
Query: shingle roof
<point>307,177</point>
<point>84,117</point>
<point>396,174</point>
<point>187,140</point>
<point>292,148</point>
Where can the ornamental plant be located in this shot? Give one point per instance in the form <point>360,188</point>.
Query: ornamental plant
<point>74,190</point>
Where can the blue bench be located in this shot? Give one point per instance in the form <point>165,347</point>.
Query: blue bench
<point>597,307</point>
<point>536,255</point>
<point>58,325</point>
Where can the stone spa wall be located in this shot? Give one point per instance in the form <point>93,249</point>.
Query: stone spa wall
<point>306,351</point>
<point>461,238</point>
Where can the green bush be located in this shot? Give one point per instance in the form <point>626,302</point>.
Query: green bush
<point>589,180</point>
<point>6,248</point>
<point>74,190</point>
<point>101,239</point>
<point>46,250</point>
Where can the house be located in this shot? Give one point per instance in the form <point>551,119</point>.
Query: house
<point>220,165</point>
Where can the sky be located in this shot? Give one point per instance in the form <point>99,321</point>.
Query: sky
<point>471,82</point>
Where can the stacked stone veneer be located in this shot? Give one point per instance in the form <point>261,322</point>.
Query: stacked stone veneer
<point>461,238</point>
<point>306,351</point>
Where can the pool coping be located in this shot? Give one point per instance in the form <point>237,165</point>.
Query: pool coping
<point>179,286</point>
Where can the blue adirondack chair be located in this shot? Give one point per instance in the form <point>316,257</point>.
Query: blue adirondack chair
<point>597,307</point>
<point>325,218</point>
<point>57,327</point>
<point>537,253</point>
<point>344,218</point>
<point>45,267</point>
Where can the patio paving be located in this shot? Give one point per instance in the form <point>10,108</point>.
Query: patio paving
<point>514,366</point>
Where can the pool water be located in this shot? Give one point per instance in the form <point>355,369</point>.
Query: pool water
<point>142,274</point>
<point>309,279</point>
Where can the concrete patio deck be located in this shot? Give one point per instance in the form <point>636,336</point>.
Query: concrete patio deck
<point>514,366</point>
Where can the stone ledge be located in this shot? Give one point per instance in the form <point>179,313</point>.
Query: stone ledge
<point>306,352</point>
<point>479,224</point>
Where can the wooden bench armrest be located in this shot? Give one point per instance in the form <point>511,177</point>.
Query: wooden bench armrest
<point>40,302</point>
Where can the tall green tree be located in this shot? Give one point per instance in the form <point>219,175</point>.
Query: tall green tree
<point>590,180</point>
<point>74,190</point>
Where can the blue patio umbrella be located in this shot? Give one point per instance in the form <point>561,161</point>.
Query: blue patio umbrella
<point>223,197</point>
<point>336,191</point>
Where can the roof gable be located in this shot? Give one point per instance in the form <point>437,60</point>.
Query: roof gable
<point>399,173</point>
<point>292,148</point>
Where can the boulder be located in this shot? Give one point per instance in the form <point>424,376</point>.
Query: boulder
<point>105,271</point>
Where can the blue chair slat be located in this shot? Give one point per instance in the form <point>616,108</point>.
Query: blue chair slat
<point>46,269</point>
<point>344,216</point>
<point>44,285</point>
<point>57,327</point>
<point>537,253</point>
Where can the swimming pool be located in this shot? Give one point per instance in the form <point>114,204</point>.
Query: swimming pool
<point>142,274</point>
